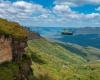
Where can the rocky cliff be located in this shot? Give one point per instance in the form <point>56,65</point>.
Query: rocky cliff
<point>13,41</point>
<point>12,49</point>
<point>5,49</point>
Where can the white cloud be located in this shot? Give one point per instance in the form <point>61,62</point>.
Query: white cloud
<point>97,9</point>
<point>93,15</point>
<point>22,4</point>
<point>34,14</point>
<point>74,16</point>
<point>94,1</point>
<point>78,2</point>
<point>64,3</point>
<point>22,9</point>
<point>62,8</point>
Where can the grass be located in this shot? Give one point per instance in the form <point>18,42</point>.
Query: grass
<point>8,70</point>
<point>43,46</point>
<point>59,63</point>
<point>12,29</point>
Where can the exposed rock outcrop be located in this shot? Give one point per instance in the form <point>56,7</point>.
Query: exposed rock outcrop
<point>13,41</point>
<point>5,49</point>
<point>18,49</point>
<point>12,49</point>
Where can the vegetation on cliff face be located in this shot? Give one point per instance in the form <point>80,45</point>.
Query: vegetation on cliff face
<point>16,37</point>
<point>8,70</point>
<point>12,29</point>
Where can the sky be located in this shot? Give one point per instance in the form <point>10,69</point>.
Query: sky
<point>52,13</point>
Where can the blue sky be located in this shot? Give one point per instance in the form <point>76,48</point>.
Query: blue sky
<point>52,13</point>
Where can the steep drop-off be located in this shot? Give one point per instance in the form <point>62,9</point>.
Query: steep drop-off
<point>13,41</point>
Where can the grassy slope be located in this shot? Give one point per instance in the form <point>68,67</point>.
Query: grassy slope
<point>43,46</point>
<point>58,63</point>
<point>89,53</point>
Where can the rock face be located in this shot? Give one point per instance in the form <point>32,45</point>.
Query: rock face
<point>13,41</point>
<point>5,49</point>
<point>11,49</point>
<point>18,49</point>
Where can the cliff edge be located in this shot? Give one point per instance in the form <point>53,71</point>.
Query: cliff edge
<point>13,41</point>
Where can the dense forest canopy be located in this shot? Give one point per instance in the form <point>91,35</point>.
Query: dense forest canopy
<point>12,29</point>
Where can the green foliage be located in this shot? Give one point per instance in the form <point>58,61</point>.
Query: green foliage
<point>8,70</point>
<point>12,29</point>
